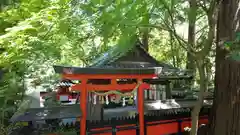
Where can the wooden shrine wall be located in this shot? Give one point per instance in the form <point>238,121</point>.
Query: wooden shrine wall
<point>162,127</point>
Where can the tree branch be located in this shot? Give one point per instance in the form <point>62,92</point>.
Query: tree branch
<point>172,29</point>
<point>203,5</point>
<point>204,27</point>
<point>203,34</point>
<point>200,16</point>
<point>212,21</point>
<point>180,40</point>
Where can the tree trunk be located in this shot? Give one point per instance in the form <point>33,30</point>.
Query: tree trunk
<point>145,33</point>
<point>208,71</point>
<point>145,39</point>
<point>172,49</point>
<point>191,36</point>
<point>198,106</point>
<point>225,113</point>
<point>225,119</point>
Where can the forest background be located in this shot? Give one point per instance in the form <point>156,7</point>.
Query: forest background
<point>34,34</point>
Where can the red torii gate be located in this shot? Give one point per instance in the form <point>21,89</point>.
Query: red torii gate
<point>86,74</point>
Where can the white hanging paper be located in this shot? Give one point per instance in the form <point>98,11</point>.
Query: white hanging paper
<point>135,98</point>
<point>124,101</point>
<point>94,99</point>
<point>107,101</point>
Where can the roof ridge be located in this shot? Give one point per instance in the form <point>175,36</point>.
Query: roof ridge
<point>127,50</point>
<point>115,53</point>
<point>158,62</point>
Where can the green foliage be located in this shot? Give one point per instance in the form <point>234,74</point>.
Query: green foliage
<point>27,42</point>
<point>35,34</point>
<point>233,47</point>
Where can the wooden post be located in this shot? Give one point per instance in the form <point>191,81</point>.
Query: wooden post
<point>179,127</point>
<point>148,95</point>
<point>159,92</point>
<point>83,105</point>
<point>140,98</point>
<point>168,91</point>
<point>114,128</point>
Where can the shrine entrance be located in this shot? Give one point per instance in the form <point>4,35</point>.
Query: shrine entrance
<point>87,75</point>
<point>121,71</point>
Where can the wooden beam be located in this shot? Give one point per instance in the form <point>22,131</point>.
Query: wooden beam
<point>103,76</point>
<point>121,87</point>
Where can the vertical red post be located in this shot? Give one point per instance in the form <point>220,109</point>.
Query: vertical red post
<point>140,98</point>
<point>83,105</point>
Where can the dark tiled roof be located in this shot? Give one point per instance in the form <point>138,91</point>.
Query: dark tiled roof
<point>130,56</point>
<point>35,114</point>
<point>134,55</point>
<point>113,54</point>
<point>106,70</point>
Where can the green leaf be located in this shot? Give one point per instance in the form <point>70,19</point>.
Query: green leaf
<point>228,44</point>
<point>63,26</point>
<point>238,37</point>
<point>235,55</point>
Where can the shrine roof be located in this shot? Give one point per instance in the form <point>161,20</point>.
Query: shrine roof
<point>58,112</point>
<point>132,55</point>
<point>106,70</point>
<point>128,58</point>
